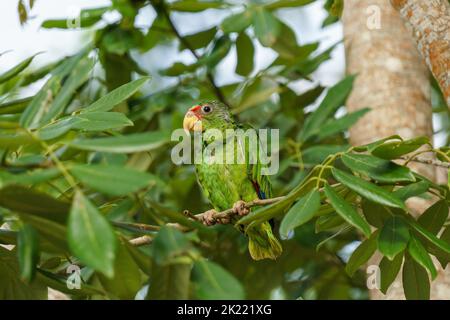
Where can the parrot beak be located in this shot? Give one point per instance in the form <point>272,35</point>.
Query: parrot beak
<point>191,122</point>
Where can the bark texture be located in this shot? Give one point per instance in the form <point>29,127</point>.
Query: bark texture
<point>430,22</point>
<point>394,82</point>
<point>392,79</point>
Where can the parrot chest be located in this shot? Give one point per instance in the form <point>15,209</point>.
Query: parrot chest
<point>224,184</point>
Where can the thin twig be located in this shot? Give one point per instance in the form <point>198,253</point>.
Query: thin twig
<point>138,226</point>
<point>219,216</point>
<point>432,162</point>
<point>140,241</point>
<point>231,212</point>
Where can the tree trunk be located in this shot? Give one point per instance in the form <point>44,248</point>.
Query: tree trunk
<point>394,82</point>
<point>430,22</point>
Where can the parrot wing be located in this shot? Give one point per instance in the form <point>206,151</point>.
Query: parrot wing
<point>261,183</point>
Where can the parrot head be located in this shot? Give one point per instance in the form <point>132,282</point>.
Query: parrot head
<point>207,115</point>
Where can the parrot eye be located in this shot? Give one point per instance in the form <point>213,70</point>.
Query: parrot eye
<point>206,109</point>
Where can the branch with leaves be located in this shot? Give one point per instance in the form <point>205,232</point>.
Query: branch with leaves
<point>217,91</point>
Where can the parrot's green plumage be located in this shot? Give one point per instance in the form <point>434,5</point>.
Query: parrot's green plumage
<point>224,184</point>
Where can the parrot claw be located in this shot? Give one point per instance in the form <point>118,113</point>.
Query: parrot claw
<point>208,218</point>
<point>240,208</point>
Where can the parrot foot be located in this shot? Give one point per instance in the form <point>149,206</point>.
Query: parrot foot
<point>240,208</point>
<point>208,218</point>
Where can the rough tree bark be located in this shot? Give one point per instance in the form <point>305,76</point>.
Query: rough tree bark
<point>430,22</point>
<point>394,82</point>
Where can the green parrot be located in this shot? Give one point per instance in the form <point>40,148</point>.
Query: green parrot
<point>231,185</point>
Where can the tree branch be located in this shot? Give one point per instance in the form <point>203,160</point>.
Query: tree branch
<point>219,217</point>
<point>431,162</point>
<point>140,241</point>
<point>186,43</point>
<point>430,21</point>
<point>232,212</point>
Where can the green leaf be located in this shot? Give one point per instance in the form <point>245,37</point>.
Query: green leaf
<point>34,112</point>
<point>110,179</point>
<point>335,126</point>
<point>90,236</point>
<point>33,177</point>
<point>119,41</point>
<point>77,78</point>
<point>32,202</point>
<point>416,283</point>
<point>237,22</point>
<point>219,51</point>
<point>168,245</point>
<point>31,116</point>
<point>170,282</point>
<point>286,4</point>
<point>268,212</point>
<point>11,73</point>
<point>52,235</point>
<point>434,217</point>
<point>127,278</point>
<point>212,282</point>
<point>337,8</point>
<point>301,212</point>
<point>14,106</point>
<point>27,251</point>
<point>178,68</point>
<point>59,283</point>
<point>412,190</point>
<point>8,237</point>
<point>318,153</point>
<point>336,97</point>
<point>141,258</point>
<point>443,257</point>
<point>389,271</point>
<point>420,254</point>
<point>87,18</point>
<point>394,237</point>
<point>395,149</point>
<point>304,67</point>
<point>200,39</point>
<point>259,91</point>
<point>195,6</point>
<point>377,169</point>
<point>362,254</point>
<point>439,243</point>
<point>266,26</point>
<point>245,53</point>
<point>328,222</point>
<point>145,141</point>
<point>13,288</point>
<point>375,213</point>
<point>116,96</point>
<point>368,190</point>
<point>92,121</point>
<point>346,211</point>
<point>373,145</point>
<point>100,121</point>
<point>16,140</point>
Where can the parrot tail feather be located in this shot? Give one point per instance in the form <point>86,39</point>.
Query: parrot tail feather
<point>262,243</point>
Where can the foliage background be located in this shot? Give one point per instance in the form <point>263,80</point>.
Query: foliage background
<point>52,159</point>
